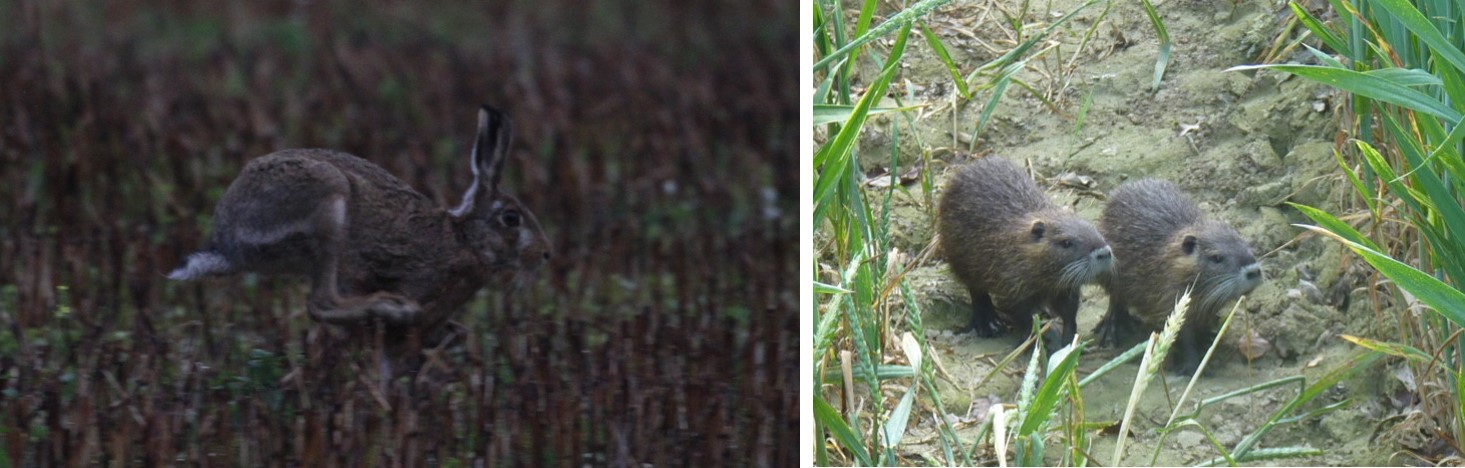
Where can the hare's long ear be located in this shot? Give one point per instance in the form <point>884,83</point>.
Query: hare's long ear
<point>490,150</point>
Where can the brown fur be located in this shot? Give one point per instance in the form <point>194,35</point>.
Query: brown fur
<point>1010,246</point>
<point>373,247</point>
<point>1166,246</point>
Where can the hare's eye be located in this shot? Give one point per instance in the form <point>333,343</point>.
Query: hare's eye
<point>510,218</point>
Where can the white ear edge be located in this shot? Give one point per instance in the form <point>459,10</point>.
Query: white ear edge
<point>474,159</point>
<point>466,206</point>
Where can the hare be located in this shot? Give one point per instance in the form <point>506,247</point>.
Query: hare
<point>373,247</point>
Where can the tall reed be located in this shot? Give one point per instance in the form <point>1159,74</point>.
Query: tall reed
<point>1402,64</point>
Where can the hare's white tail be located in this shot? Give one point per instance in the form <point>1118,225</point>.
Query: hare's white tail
<point>201,264</point>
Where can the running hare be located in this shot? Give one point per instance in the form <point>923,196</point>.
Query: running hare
<point>372,246</point>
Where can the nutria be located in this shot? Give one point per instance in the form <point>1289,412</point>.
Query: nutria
<point>1014,250</point>
<point>1168,246</point>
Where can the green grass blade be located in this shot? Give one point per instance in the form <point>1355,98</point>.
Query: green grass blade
<point>1276,453</point>
<point>862,25</point>
<point>1119,360</point>
<point>1392,349</point>
<point>1406,76</point>
<point>825,415</point>
<point>1327,221</point>
<point>1164,59</point>
<point>1444,218</point>
<point>1358,187</point>
<point>882,372</point>
<point>1385,171</point>
<point>902,20</point>
<point>1318,29</point>
<point>1083,110</point>
<point>867,14</point>
<point>1436,211</point>
<point>1434,293</point>
<point>822,288</point>
<point>835,157</point>
<point>1022,48</point>
<point>821,94</point>
<point>895,426</point>
<point>1323,57</point>
<point>1003,79</point>
<point>941,53</point>
<point>838,113</point>
<point>1245,448</point>
<point>1366,85</point>
<point>1051,392</point>
<point>1316,412</point>
<point>1423,31</point>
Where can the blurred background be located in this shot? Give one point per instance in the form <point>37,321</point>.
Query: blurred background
<point>654,141</point>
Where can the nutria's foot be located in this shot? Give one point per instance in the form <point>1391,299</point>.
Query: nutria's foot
<point>1188,353</point>
<point>1184,359</point>
<point>1184,363</point>
<point>1053,340</point>
<point>987,328</point>
<point>1181,366</point>
<point>1114,331</point>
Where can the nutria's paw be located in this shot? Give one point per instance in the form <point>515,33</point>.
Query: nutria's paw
<point>1108,331</point>
<point>393,308</point>
<point>1184,366</point>
<point>987,329</point>
<point>1116,331</point>
<point>1053,340</point>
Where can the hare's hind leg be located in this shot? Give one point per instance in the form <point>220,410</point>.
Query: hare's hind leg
<point>326,304</point>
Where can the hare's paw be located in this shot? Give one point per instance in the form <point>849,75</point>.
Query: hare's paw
<point>393,308</point>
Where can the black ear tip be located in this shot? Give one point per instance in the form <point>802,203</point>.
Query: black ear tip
<point>489,115</point>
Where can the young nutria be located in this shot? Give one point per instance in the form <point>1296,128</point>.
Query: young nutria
<point>1168,246</point>
<point>1014,250</point>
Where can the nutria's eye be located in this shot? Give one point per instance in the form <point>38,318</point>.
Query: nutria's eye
<point>1217,258</point>
<point>510,218</point>
<point>1066,243</point>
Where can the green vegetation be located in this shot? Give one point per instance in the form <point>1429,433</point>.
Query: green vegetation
<point>656,154</point>
<point>875,373</point>
<point>854,309</point>
<point>1402,65</point>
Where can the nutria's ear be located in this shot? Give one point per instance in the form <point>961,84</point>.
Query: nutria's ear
<point>490,150</point>
<point>1187,245</point>
<point>1037,230</point>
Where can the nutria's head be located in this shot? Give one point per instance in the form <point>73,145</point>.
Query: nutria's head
<point>1223,266</point>
<point>1066,248</point>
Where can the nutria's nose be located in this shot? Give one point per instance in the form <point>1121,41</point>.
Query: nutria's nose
<point>1253,272</point>
<point>1103,254</point>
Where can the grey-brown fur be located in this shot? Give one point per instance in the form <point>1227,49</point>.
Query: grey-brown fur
<point>1015,251</point>
<point>373,247</point>
<point>1167,245</point>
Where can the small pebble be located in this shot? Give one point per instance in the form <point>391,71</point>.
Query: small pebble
<point>1311,291</point>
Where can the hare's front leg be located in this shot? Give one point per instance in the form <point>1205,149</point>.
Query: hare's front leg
<point>326,304</point>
